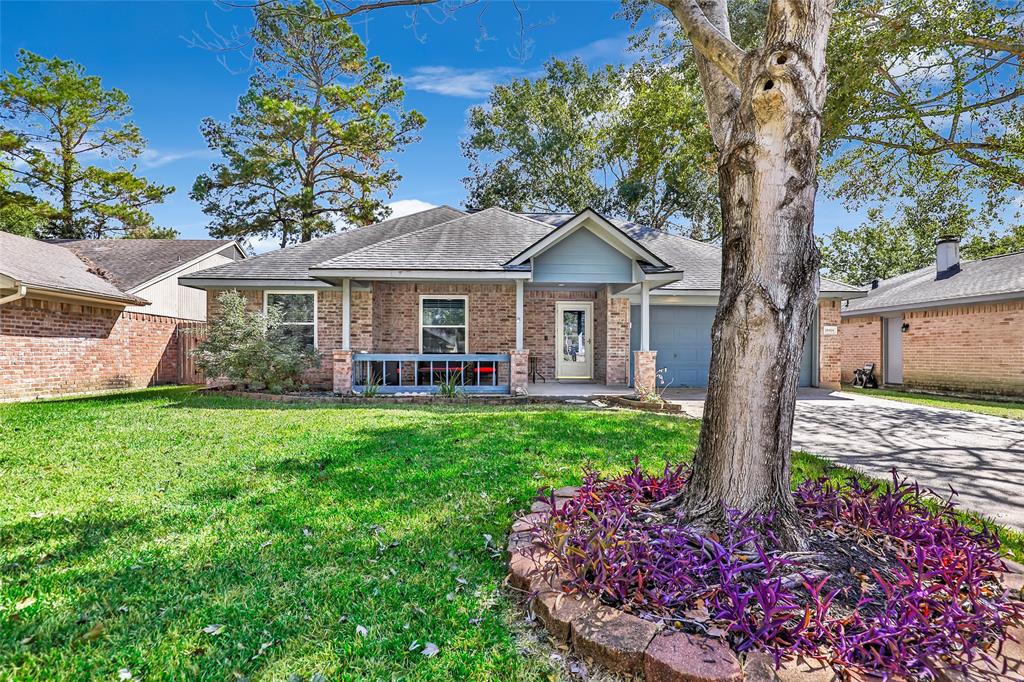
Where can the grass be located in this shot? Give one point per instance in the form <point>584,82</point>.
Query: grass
<point>995,408</point>
<point>136,521</point>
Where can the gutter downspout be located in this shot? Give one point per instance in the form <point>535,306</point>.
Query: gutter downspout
<point>21,293</point>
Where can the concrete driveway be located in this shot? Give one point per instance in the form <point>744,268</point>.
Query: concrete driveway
<point>981,457</point>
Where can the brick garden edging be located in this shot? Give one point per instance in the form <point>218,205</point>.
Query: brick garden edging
<point>627,644</point>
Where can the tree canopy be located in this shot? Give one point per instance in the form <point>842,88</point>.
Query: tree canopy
<point>54,121</point>
<point>922,125</point>
<point>630,142</point>
<point>925,128</point>
<point>309,147</point>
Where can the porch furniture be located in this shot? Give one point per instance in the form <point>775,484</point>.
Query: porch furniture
<point>424,372</point>
<point>865,376</point>
<point>534,372</point>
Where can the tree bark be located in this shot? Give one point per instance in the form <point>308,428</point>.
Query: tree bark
<point>766,121</point>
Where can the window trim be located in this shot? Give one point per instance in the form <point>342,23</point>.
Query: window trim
<point>316,309</point>
<point>444,297</point>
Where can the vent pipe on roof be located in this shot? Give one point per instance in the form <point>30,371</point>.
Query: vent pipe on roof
<point>874,283</point>
<point>947,256</point>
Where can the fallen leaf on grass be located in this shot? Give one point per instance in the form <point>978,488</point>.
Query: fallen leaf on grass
<point>124,674</point>
<point>214,629</point>
<point>362,631</point>
<point>24,603</point>
<point>94,632</point>
<point>430,650</point>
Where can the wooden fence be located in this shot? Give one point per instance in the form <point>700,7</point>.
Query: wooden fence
<point>189,336</point>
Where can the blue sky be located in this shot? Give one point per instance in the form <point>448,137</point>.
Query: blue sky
<point>140,47</point>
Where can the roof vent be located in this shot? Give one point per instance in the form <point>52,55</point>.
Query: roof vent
<point>947,256</point>
<point>874,283</point>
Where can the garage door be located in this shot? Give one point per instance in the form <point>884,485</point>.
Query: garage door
<point>682,337</point>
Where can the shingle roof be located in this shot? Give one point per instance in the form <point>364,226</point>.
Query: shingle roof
<point>444,238</point>
<point>293,263</point>
<point>998,276</point>
<point>478,242</point>
<point>131,262</point>
<point>48,266</point>
<point>700,262</point>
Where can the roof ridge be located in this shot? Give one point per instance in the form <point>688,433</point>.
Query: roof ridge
<point>998,255</point>
<point>398,236</point>
<point>523,216</point>
<point>347,232</point>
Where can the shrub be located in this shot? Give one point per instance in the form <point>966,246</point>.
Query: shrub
<point>888,587</point>
<point>252,348</point>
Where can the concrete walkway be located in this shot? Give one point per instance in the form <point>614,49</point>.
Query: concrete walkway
<point>981,457</point>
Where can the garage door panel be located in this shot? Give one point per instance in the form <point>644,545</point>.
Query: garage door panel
<point>682,337</point>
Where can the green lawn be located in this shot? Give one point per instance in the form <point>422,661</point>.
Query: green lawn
<point>136,521</point>
<point>996,408</point>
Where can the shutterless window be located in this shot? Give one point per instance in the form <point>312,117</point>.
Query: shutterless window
<point>443,325</point>
<point>298,312</point>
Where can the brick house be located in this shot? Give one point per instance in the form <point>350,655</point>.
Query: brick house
<point>501,300</point>
<point>954,326</point>
<point>89,317</point>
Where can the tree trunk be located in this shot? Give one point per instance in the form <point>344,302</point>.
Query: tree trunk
<point>767,128</point>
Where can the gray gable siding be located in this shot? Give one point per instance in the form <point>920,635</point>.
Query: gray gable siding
<point>582,257</point>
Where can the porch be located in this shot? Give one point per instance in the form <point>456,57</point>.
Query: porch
<point>478,337</point>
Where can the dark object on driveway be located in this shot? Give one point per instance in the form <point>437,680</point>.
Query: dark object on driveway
<point>865,377</point>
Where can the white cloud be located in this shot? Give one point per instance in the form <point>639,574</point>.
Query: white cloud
<point>611,50</point>
<point>455,82</point>
<point>404,207</point>
<point>259,245</point>
<point>153,158</point>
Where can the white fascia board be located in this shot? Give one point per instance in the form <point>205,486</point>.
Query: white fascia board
<point>947,303</point>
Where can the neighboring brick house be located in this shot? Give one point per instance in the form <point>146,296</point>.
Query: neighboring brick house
<point>497,299</point>
<point>954,326</point>
<point>73,319</point>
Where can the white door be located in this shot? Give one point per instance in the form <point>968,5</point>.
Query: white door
<point>574,326</point>
<point>893,350</point>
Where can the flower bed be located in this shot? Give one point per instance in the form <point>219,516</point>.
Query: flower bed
<point>887,587</point>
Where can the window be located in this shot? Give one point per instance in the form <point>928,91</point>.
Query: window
<point>442,325</point>
<point>298,312</point>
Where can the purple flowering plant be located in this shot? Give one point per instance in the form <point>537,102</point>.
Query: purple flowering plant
<point>888,586</point>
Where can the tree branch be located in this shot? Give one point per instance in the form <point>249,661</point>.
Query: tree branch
<point>710,42</point>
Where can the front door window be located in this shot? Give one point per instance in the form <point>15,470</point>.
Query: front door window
<point>574,336</point>
<point>574,347</point>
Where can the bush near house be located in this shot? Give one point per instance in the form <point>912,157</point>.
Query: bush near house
<point>253,348</point>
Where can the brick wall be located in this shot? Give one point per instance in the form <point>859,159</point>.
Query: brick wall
<point>396,315</point>
<point>974,349</point>
<point>830,348</point>
<point>861,341</point>
<point>54,348</point>
<point>968,349</point>
<point>386,320</point>
<point>539,325</point>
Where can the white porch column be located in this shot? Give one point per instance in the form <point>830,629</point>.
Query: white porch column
<point>519,315</point>
<point>645,316</point>
<point>346,314</point>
